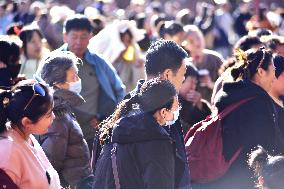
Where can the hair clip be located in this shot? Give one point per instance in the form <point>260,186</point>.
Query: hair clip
<point>241,55</point>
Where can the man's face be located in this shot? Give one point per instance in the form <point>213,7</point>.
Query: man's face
<point>78,41</point>
<point>195,43</point>
<point>177,78</point>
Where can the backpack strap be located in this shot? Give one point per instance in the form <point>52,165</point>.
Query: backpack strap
<point>114,166</point>
<point>234,106</point>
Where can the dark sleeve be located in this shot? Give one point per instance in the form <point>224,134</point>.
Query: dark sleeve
<point>6,181</point>
<point>156,160</point>
<point>55,145</point>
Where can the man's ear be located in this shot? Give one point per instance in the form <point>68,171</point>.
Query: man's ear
<point>167,74</point>
<point>160,116</point>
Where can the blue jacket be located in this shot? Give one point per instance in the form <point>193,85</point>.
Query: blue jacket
<point>112,89</point>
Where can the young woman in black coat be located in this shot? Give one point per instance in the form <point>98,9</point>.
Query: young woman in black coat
<point>145,151</point>
<point>252,123</point>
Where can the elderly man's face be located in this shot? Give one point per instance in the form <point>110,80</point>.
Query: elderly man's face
<point>78,41</point>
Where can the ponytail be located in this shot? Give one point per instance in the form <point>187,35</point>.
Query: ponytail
<point>5,97</point>
<point>240,70</point>
<point>153,95</point>
<point>123,108</point>
<point>249,61</point>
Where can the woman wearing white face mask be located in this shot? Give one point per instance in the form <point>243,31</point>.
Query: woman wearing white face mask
<point>64,143</point>
<point>145,152</point>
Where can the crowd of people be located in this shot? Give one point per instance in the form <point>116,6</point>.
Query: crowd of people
<point>101,97</point>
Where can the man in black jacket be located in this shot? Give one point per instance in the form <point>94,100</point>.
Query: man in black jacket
<point>166,59</point>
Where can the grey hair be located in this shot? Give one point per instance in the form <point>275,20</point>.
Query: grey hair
<point>55,66</point>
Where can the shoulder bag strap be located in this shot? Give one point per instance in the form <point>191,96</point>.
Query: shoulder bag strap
<point>234,106</point>
<point>114,166</point>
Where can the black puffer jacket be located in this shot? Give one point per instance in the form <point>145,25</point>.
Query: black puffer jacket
<point>145,156</point>
<point>250,125</point>
<point>64,143</point>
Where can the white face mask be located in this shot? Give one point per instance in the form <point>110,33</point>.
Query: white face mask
<point>176,115</point>
<point>76,86</point>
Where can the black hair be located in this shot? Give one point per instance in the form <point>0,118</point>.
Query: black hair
<point>278,61</point>
<point>97,24</point>
<point>261,32</point>
<point>191,71</point>
<point>56,66</point>
<point>273,41</point>
<point>13,103</point>
<point>154,95</point>
<point>9,51</point>
<point>78,22</point>
<point>172,28</point>
<point>140,20</point>
<point>271,168</point>
<point>14,29</point>
<point>126,32</point>
<point>158,19</point>
<point>26,36</point>
<point>145,43</point>
<point>161,29</point>
<point>248,62</point>
<point>150,95</point>
<point>185,17</point>
<point>247,42</point>
<point>162,55</point>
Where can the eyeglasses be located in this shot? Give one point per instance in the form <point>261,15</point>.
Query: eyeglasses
<point>38,91</point>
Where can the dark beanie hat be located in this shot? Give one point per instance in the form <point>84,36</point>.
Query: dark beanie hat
<point>279,65</point>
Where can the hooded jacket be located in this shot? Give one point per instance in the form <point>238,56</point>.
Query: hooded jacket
<point>64,143</point>
<point>182,175</point>
<point>145,156</point>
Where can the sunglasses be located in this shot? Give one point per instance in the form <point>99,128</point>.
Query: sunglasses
<point>37,91</point>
